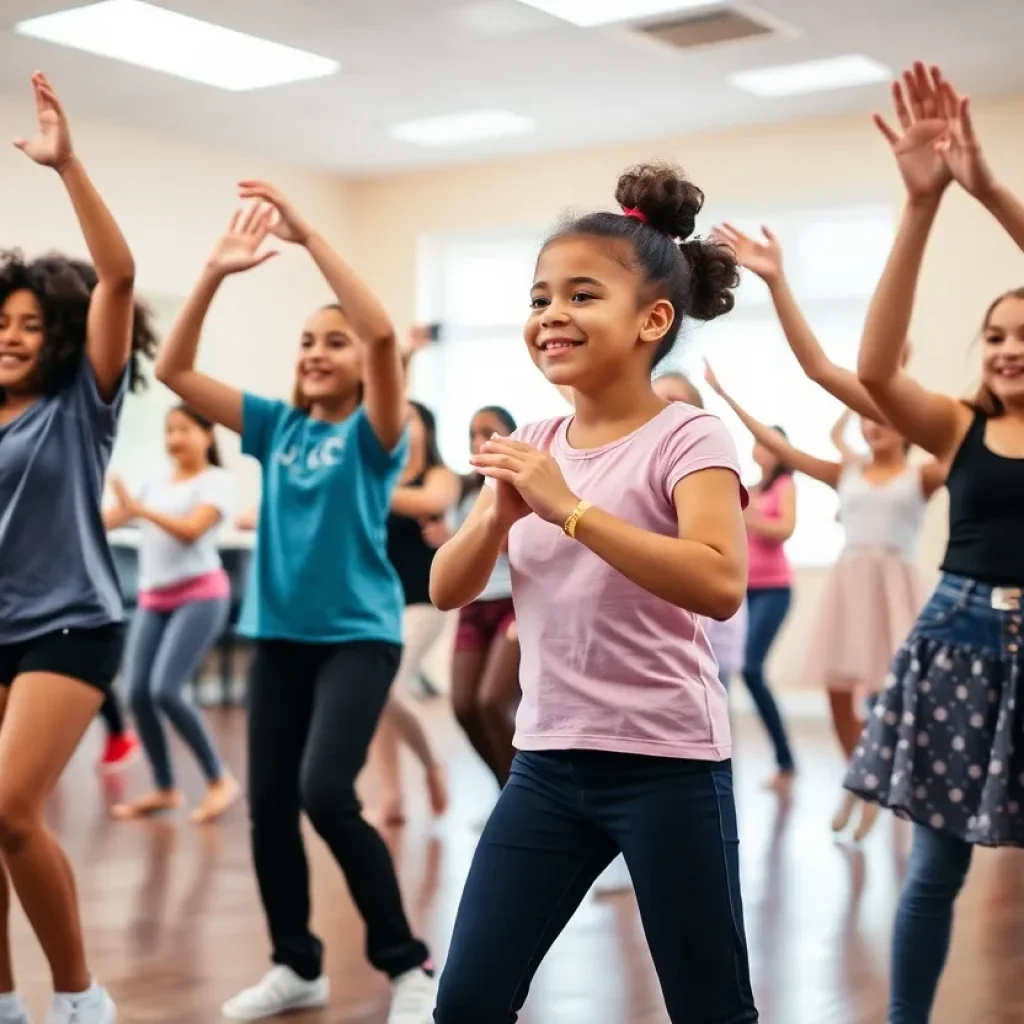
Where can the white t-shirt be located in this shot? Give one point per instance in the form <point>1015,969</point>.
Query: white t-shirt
<point>165,561</point>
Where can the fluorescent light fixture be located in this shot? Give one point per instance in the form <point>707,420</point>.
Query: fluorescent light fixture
<point>812,76</point>
<point>161,40</point>
<point>588,13</point>
<point>471,126</point>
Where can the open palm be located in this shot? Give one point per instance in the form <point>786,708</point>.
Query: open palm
<point>959,147</point>
<point>286,224</point>
<point>922,124</point>
<point>240,247</point>
<point>760,256</point>
<point>51,146</point>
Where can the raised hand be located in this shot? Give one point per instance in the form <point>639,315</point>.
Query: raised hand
<point>959,147</point>
<point>921,114</point>
<point>51,146</point>
<point>122,495</point>
<point>287,224</point>
<point>761,256</point>
<point>239,247</point>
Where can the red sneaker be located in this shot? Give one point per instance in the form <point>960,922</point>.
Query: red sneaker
<point>119,752</point>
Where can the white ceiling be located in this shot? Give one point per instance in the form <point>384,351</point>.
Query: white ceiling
<point>406,59</point>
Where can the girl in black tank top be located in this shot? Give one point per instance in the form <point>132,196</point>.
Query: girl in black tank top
<point>942,747</point>
<point>426,492</point>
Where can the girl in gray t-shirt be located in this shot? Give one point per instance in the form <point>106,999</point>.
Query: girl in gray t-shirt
<point>69,333</point>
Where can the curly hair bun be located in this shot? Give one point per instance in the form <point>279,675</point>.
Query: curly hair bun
<point>715,276</point>
<point>661,192</point>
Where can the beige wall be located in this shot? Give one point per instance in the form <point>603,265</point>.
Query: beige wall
<point>811,162</point>
<point>171,199</point>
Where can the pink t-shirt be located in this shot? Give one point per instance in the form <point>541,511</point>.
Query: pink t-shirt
<point>768,565</point>
<point>605,664</point>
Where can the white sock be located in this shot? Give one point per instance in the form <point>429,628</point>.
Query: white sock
<point>91,994</point>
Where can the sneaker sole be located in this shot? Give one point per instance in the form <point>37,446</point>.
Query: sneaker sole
<point>315,1002</point>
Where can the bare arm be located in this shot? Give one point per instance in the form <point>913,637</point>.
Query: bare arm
<point>175,365</point>
<point>782,528</point>
<point>930,420</point>
<point>820,469</point>
<point>111,306</point>
<point>704,569</point>
<point>838,437</point>
<point>463,565</point>
<point>438,493</point>
<point>933,477</point>
<point>117,516</point>
<point>236,251</point>
<point>188,528</point>
<point>247,519</point>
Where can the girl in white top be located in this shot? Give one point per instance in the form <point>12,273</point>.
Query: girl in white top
<point>873,595</point>
<point>184,602</point>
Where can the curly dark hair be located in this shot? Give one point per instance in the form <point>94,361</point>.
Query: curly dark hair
<point>64,287</point>
<point>696,275</point>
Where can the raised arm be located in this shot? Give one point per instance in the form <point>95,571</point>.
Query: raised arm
<point>820,469</point>
<point>237,250</point>
<point>384,378</point>
<point>111,307</point>
<point>961,150</point>
<point>934,422</point>
<point>438,493</point>
<point>764,258</point>
<point>838,436</point>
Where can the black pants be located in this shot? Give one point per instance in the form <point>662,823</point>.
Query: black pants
<point>313,711</point>
<point>560,820</point>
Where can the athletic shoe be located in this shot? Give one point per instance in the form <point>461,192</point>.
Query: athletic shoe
<point>12,1010</point>
<point>280,990</point>
<point>91,1007</point>
<point>413,998</point>
<point>119,752</point>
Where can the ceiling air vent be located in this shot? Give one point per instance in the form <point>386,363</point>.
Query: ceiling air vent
<point>713,28</point>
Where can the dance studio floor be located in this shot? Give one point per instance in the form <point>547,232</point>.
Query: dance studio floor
<point>174,926</point>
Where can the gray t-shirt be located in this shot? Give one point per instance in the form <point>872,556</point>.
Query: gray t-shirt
<point>56,569</point>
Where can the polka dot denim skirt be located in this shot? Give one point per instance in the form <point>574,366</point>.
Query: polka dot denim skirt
<point>944,745</point>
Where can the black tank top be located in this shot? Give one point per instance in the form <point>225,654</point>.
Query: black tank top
<point>409,553</point>
<point>986,512</point>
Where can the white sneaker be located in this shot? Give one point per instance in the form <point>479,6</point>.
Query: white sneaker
<point>280,990</point>
<point>12,1010</point>
<point>614,879</point>
<point>413,998</point>
<point>91,1007</point>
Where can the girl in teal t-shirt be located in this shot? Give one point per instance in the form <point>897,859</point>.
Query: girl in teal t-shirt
<point>324,606</point>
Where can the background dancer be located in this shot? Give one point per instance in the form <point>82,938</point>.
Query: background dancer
<point>602,766</point>
<point>184,600</point>
<point>324,606</point>
<point>943,744</point>
<point>67,357</point>
<point>427,490</point>
<point>485,664</point>
<point>872,594</point>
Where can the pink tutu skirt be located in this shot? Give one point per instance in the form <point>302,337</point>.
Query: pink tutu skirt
<point>870,600</point>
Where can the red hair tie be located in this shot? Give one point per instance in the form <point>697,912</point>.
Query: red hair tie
<point>635,214</point>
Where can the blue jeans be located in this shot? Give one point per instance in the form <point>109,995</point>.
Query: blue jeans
<point>767,608</point>
<point>924,922</point>
<point>561,819</point>
<point>163,652</point>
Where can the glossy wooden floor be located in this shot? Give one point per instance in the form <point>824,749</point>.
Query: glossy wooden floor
<point>174,926</point>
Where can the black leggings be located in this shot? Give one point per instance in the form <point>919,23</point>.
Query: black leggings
<point>313,709</point>
<point>112,715</point>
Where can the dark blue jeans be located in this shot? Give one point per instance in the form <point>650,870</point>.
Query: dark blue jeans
<point>767,608</point>
<point>559,822</point>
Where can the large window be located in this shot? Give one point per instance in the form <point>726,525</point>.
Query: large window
<point>477,287</point>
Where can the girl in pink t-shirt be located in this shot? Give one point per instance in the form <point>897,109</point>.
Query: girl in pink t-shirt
<point>624,530</point>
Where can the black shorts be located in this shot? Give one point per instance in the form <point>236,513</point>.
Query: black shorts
<point>90,655</point>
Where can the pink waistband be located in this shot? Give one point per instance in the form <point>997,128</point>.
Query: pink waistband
<point>211,586</point>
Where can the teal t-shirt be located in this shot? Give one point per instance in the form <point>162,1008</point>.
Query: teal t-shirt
<point>320,571</point>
